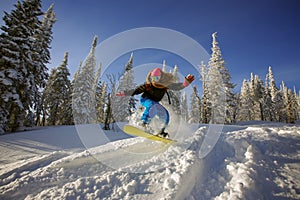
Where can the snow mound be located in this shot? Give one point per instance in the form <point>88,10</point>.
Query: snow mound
<point>247,162</point>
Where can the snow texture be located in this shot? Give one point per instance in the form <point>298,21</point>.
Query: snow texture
<point>249,161</point>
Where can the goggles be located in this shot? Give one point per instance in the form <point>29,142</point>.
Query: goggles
<point>155,78</point>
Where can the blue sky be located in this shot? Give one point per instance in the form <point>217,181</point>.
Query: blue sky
<point>252,34</point>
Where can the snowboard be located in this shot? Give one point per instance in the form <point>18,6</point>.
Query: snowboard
<point>134,131</point>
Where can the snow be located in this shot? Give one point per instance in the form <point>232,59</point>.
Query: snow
<point>254,160</point>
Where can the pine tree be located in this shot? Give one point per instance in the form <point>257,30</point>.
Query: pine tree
<point>245,113</point>
<point>20,76</point>
<point>296,104</point>
<point>184,108</point>
<point>175,74</point>
<point>256,95</point>
<point>272,85</point>
<point>101,99</point>
<point>164,66</point>
<point>99,88</point>
<point>84,94</point>
<point>57,96</point>
<point>50,99</point>
<point>219,86</point>
<point>129,65</point>
<point>290,104</point>
<point>216,95</point>
<point>63,85</point>
<point>267,104</point>
<point>41,57</point>
<point>277,98</point>
<point>217,61</point>
<point>195,100</point>
<point>294,107</point>
<point>129,74</point>
<point>235,107</point>
<point>205,105</point>
<point>125,105</point>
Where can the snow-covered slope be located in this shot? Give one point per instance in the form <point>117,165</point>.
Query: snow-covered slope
<point>257,161</point>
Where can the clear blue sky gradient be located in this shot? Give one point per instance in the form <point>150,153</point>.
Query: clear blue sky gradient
<point>252,34</point>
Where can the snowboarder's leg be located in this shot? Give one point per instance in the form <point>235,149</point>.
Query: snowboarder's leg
<point>162,133</point>
<point>147,103</point>
<point>166,124</point>
<point>167,118</point>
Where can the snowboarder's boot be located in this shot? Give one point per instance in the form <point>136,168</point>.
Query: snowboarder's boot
<point>142,124</point>
<point>163,134</point>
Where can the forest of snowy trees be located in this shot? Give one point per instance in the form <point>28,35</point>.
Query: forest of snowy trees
<point>31,96</point>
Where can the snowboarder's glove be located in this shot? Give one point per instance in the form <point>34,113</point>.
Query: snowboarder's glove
<point>188,79</point>
<point>120,94</point>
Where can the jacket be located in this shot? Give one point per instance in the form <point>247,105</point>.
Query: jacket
<point>148,90</point>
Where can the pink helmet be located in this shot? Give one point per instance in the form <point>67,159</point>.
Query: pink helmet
<point>156,72</point>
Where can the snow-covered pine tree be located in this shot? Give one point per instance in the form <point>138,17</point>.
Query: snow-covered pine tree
<point>259,92</point>
<point>205,104</point>
<point>57,96</point>
<point>184,108</point>
<point>235,107</point>
<point>289,104</point>
<point>219,87</point>
<point>290,107</point>
<point>101,99</point>
<point>195,112</point>
<point>124,105</point>
<point>41,57</point>
<point>245,113</point>
<point>130,82</point>
<point>97,78</point>
<point>296,104</point>
<point>256,94</point>
<point>164,66</point>
<point>19,75</point>
<point>129,65</point>
<point>217,61</point>
<point>64,87</point>
<point>83,96</point>
<point>267,104</point>
<point>277,98</point>
<point>216,95</point>
<point>272,85</point>
<point>76,74</point>
<point>175,74</point>
<point>99,89</point>
<point>50,100</point>
<point>279,107</point>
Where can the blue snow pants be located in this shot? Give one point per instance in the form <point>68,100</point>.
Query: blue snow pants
<point>153,108</point>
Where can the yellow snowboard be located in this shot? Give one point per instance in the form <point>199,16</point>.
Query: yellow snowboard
<point>131,130</point>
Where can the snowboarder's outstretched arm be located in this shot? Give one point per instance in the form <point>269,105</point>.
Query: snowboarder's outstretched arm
<point>179,86</point>
<point>138,90</point>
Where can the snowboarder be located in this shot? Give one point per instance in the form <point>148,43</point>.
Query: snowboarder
<point>156,85</point>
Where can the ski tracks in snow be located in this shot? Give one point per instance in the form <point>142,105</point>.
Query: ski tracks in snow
<point>160,172</point>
